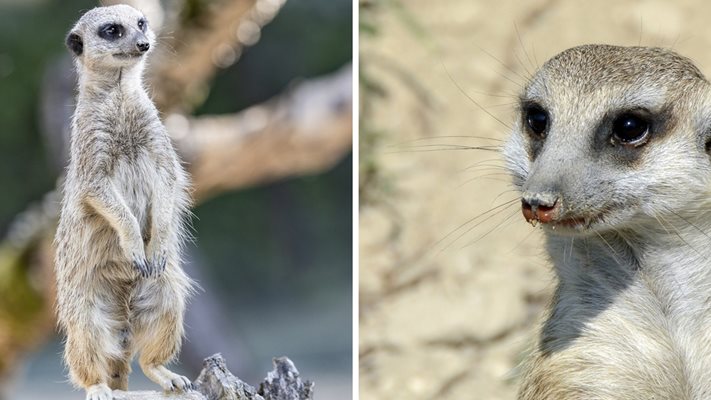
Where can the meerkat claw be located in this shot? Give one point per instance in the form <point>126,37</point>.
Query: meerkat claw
<point>156,266</point>
<point>159,265</point>
<point>142,266</point>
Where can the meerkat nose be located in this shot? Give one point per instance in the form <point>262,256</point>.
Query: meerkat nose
<point>538,208</point>
<point>143,46</point>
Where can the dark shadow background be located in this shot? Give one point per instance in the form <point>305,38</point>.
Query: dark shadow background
<point>277,257</point>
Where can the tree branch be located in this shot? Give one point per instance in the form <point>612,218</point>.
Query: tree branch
<point>306,130</point>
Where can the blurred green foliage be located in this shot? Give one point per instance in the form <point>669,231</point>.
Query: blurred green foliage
<point>29,38</point>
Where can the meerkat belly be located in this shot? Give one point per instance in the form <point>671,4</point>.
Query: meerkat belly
<point>136,184</point>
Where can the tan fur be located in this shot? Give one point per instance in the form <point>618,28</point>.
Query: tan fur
<point>121,290</point>
<point>631,316</point>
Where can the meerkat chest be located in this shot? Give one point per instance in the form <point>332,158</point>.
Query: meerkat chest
<point>141,155</point>
<point>134,128</point>
<point>628,343</point>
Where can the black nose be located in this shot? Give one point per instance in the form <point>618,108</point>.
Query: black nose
<point>143,46</point>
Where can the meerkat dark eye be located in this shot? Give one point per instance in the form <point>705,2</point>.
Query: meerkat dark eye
<point>111,31</point>
<point>537,120</point>
<point>142,24</point>
<point>630,129</point>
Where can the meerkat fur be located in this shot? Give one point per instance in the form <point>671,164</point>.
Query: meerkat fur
<point>611,154</point>
<point>121,290</point>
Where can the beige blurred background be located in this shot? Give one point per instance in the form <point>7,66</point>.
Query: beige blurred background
<point>449,313</point>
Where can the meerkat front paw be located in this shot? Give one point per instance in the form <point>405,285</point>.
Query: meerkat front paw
<point>98,392</point>
<point>134,252</point>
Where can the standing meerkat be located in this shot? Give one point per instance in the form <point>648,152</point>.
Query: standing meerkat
<point>611,156</point>
<point>121,290</point>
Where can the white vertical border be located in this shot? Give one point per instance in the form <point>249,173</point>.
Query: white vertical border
<point>356,197</point>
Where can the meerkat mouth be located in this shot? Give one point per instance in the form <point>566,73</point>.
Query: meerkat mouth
<point>580,223</point>
<point>576,222</point>
<point>134,54</point>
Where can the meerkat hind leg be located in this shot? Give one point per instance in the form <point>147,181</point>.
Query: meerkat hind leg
<point>152,361</point>
<point>120,369</point>
<point>88,351</point>
<point>159,322</point>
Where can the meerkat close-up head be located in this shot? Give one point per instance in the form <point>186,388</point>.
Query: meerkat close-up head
<point>605,137</point>
<point>111,37</point>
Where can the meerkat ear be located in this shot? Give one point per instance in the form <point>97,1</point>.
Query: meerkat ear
<point>75,44</point>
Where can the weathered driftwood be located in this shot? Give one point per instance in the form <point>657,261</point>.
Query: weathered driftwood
<point>283,383</point>
<point>151,395</point>
<point>216,382</point>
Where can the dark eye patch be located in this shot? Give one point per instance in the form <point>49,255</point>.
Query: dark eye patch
<point>623,135</point>
<point>631,129</point>
<point>536,123</point>
<point>536,120</point>
<point>142,24</point>
<point>111,31</point>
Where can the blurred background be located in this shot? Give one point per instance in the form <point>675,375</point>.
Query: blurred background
<point>452,280</point>
<point>257,96</point>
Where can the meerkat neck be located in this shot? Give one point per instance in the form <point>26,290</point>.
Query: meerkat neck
<point>96,84</point>
<point>671,259</point>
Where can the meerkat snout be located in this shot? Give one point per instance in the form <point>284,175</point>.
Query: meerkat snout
<point>540,207</point>
<point>143,46</point>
